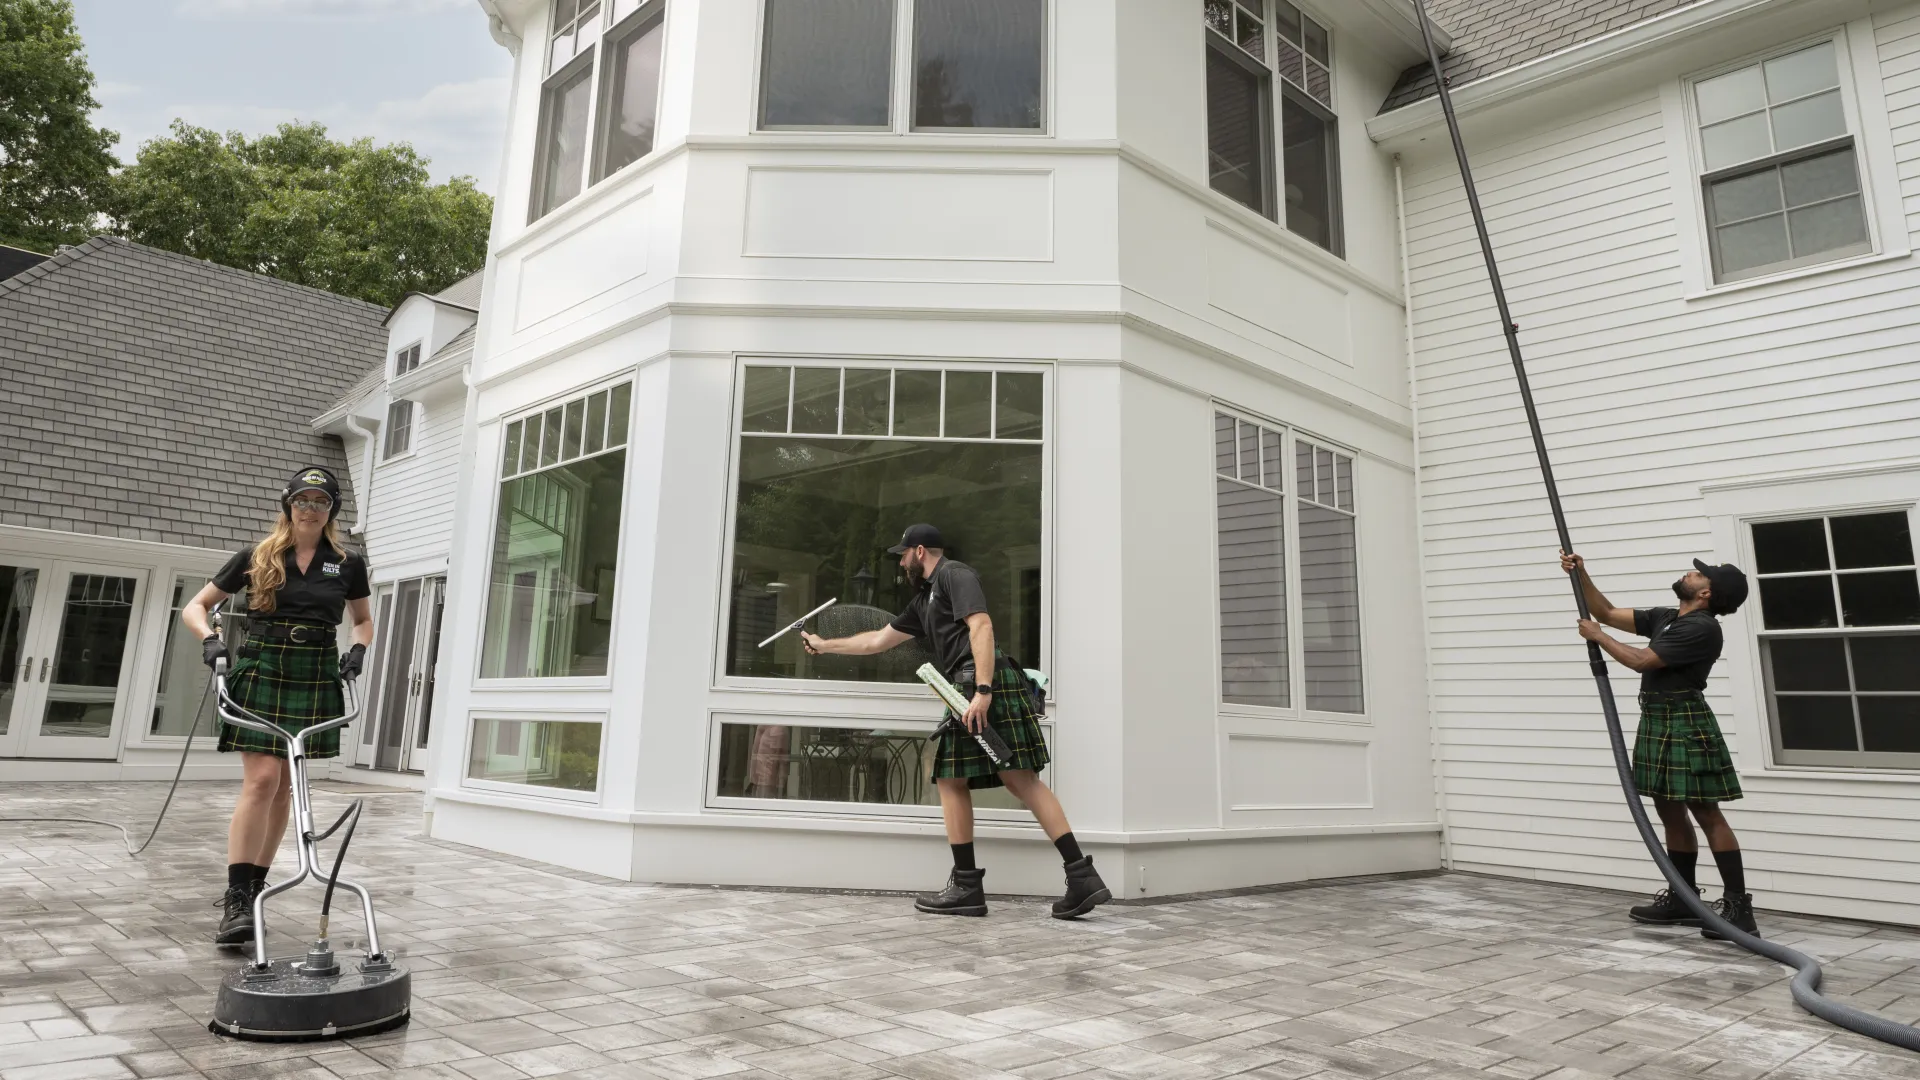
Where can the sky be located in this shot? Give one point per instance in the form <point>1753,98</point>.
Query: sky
<point>418,71</point>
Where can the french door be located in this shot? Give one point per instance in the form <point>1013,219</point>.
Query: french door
<point>66,656</point>
<point>400,683</point>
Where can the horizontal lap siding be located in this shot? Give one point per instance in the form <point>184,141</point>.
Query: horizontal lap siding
<point>1821,374</point>
<point>413,497</point>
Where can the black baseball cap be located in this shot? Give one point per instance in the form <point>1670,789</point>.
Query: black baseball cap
<point>1729,586</point>
<point>311,478</point>
<point>921,535</point>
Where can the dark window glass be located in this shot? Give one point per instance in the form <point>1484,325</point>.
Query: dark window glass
<point>1237,157</point>
<point>1253,596</point>
<point>1808,663</point>
<point>1019,402</point>
<point>576,428</point>
<point>1816,723</point>
<point>1871,540</point>
<point>1798,603</point>
<point>1890,724</point>
<point>816,400</point>
<point>1886,662</point>
<point>630,94</point>
<point>1312,182</point>
<point>563,137</point>
<point>827,63</point>
<point>1330,609</point>
<point>883,766</point>
<point>1887,598</point>
<point>596,423</point>
<point>765,405</point>
<point>866,402</point>
<point>979,63</point>
<point>1787,547</point>
<point>969,404</point>
<point>916,403</point>
<point>619,414</point>
<point>550,438</point>
<point>510,460</point>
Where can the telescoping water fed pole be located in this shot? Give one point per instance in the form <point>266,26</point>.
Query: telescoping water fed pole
<point>1806,984</point>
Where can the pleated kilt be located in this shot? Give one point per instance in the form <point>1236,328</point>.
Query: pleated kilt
<point>292,685</point>
<point>1680,754</point>
<point>959,756</point>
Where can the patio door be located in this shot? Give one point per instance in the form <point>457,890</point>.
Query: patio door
<point>66,636</point>
<point>406,645</point>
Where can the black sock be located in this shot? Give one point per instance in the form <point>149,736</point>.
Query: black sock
<point>1733,872</point>
<point>1069,847</point>
<point>1685,862</point>
<point>238,874</point>
<point>259,873</point>
<point>963,856</point>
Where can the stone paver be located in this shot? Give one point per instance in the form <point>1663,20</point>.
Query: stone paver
<point>523,971</point>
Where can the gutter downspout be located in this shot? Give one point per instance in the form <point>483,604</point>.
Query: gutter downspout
<point>1419,525</point>
<point>363,492</point>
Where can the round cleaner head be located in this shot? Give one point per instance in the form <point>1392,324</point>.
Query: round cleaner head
<point>285,1005</point>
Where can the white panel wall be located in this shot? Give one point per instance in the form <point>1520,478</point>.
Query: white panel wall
<point>1647,394</point>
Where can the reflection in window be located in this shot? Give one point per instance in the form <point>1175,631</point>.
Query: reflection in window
<point>834,764</point>
<point>16,604</point>
<point>182,691</point>
<point>562,754</point>
<point>1329,579</point>
<point>979,63</point>
<point>563,136</point>
<point>86,662</point>
<point>630,92</point>
<point>834,463</point>
<point>826,63</point>
<point>1251,509</point>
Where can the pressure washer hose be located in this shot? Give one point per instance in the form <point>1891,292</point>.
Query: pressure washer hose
<point>1806,984</point>
<point>340,857</point>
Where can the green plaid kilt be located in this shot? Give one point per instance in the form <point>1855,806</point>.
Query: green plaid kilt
<point>958,755</point>
<point>1679,754</point>
<point>291,685</point>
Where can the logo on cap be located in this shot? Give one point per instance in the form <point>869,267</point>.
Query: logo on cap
<point>314,476</point>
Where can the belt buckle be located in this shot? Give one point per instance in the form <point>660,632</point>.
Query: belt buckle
<point>297,634</point>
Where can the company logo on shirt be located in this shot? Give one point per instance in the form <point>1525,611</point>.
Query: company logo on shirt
<point>330,569</point>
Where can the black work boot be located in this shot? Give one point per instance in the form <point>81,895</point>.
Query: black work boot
<point>964,895</point>
<point>1666,910</point>
<point>1085,890</point>
<point>236,924</point>
<point>1736,909</point>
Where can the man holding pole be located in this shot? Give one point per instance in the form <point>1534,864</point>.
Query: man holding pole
<point>949,613</point>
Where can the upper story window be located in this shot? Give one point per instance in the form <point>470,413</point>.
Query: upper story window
<point>615,46</point>
<point>1249,42</point>
<point>974,65</point>
<point>1781,165</point>
<point>406,360</point>
<point>399,430</point>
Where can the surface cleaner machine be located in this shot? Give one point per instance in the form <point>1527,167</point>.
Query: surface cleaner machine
<point>317,995</point>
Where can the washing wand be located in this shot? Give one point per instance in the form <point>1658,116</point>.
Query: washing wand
<point>1806,984</point>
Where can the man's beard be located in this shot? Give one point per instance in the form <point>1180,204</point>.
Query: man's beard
<point>915,576</point>
<point>1680,590</point>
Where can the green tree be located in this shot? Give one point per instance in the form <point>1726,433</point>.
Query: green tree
<point>54,164</point>
<point>352,218</point>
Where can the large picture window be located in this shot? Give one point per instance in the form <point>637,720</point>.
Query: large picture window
<point>559,754</point>
<point>615,45</point>
<point>1289,583</point>
<point>834,462</point>
<point>556,541</point>
<point>1840,638</point>
<point>885,767</point>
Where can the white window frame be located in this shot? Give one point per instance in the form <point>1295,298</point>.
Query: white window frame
<point>560,713</point>
<point>1863,97</point>
<point>387,451</point>
<point>869,690</point>
<point>900,85</point>
<point>1296,709</point>
<point>596,56</point>
<point>406,359</point>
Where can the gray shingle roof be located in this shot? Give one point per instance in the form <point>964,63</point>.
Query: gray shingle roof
<point>465,292</point>
<point>151,396</point>
<point>1492,35</point>
<point>461,340</point>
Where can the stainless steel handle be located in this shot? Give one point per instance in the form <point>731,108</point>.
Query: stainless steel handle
<point>43,668</point>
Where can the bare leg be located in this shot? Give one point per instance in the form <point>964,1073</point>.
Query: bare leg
<point>956,810</point>
<point>1712,822</point>
<point>1036,796</point>
<point>1673,815</point>
<point>263,783</point>
<point>277,816</point>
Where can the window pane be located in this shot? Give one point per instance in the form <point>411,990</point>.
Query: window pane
<point>815,517</point>
<point>1808,121</point>
<point>87,657</point>
<point>596,423</point>
<point>1745,196</point>
<point>1797,603</point>
<point>1785,547</point>
<point>1319,84</point>
<point>1290,62</point>
<point>1313,195</point>
<point>1251,35</point>
<point>1732,94</point>
<point>1863,540</point>
<point>1303,468</point>
<point>1343,478</point>
<point>1885,598</point>
<point>1286,21</point>
<point>978,63</point>
<point>1224,452</point>
<point>1314,37</point>
<point>1253,597</point>
<point>867,393</point>
<point>1836,227</point>
<point>530,449</point>
<point>1330,609</point>
<point>576,425</point>
<point>1807,663</point>
<point>1753,244</point>
<point>1816,723</point>
<point>510,460</point>
<point>816,400</point>
<point>550,438</point>
<point>16,605</point>
<point>561,754</point>
<point>619,414</point>
<point>1019,402</point>
<point>886,766</point>
<point>916,403</point>
<point>1827,176</point>
<point>1890,725</point>
<point>181,697</point>
<point>1236,132</point>
<point>1798,74</point>
<point>1271,474</point>
<point>1249,452</point>
<point>1323,476</point>
<point>1735,141</point>
<point>627,112</point>
<point>1886,662</point>
<point>764,405</point>
<point>555,549</point>
<point>827,63</point>
<point>1219,16</point>
<point>969,404</point>
<point>563,140</point>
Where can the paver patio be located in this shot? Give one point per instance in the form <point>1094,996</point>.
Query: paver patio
<point>519,970</point>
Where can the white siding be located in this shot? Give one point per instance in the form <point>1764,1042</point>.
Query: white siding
<point>412,514</point>
<point>1645,396</point>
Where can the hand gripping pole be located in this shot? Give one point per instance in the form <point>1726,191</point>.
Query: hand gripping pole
<point>1806,984</point>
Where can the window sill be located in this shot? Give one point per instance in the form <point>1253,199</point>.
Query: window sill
<point>515,686</point>
<point>1796,275</point>
<point>395,459</point>
<point>1256,712</point>
<point>1873,774</point>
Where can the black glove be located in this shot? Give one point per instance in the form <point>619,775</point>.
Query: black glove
<point>213,649</point>
<point>352,661</point>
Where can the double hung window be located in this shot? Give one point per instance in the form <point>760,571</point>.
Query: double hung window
<point>406,360</point>
<point>1271,642</point>
<point>1267,59</point>
<point>969,65</point>
<point>399,430</point>
<point>1781,178</point>
<point>1840,638</point>
<point>613,45</point>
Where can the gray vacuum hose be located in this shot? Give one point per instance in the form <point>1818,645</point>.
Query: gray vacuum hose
<point>1806,984</point>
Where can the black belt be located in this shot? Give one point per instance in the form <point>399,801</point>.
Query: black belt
<point>293,633</point>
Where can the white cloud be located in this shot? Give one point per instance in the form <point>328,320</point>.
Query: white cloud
<point>312,9</point>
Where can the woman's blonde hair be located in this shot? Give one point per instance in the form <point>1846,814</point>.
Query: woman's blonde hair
<point>269,568</point>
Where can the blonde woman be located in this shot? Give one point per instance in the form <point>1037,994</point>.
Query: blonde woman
<point>300,580</point>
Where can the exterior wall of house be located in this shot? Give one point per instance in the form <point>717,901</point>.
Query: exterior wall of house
<point>1675,413</point>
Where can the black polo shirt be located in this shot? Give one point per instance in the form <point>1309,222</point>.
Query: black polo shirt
<point>1688,644</point>
<point>938,615</point>
<point>319,596</point>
